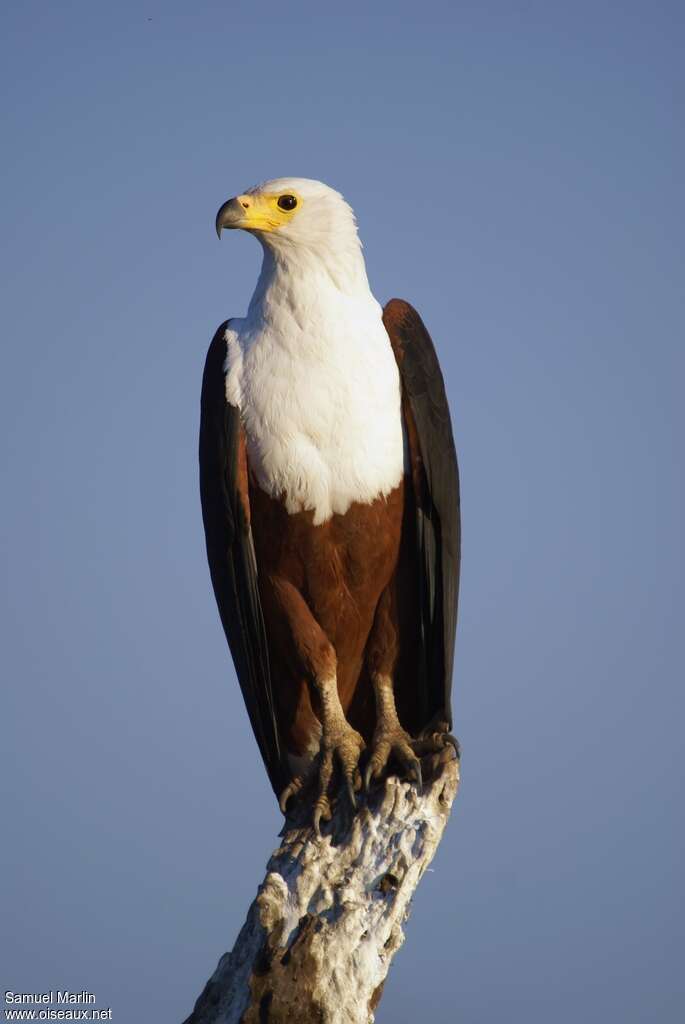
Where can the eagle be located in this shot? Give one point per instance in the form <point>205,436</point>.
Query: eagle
<point>330,501</point>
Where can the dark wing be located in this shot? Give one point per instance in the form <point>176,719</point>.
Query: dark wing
<point>230,551</point>
<point>435,478</point>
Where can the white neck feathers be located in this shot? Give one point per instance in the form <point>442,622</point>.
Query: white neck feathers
<point>313,372</point>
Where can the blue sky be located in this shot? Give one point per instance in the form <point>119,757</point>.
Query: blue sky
<point>516,169</point>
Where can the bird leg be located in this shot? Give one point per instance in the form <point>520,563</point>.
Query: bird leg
<point>390,738</point>
<point>339,743</point>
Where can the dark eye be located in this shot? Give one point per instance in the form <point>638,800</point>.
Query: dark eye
<point>287,202</point>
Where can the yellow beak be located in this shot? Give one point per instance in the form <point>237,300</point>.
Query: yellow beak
<point>251,212</point>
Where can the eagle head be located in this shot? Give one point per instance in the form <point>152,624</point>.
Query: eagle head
<point>289,213</point>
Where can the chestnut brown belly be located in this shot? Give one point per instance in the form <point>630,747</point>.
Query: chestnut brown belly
<point>340,569</point>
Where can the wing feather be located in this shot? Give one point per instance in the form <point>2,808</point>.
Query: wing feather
<point>435,477</point>
<point>230,552</point>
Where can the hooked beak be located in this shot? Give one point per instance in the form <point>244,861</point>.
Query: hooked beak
<point>230,215</point>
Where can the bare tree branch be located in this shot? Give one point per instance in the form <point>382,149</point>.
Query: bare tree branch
<point>327,920</point>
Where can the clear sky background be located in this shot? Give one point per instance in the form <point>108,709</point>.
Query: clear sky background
<point>517,172</point>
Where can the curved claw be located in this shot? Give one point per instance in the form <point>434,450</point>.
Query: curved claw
<point>322,812</point>
<point>317,821</point>
<point>350,792</point>
<point>292,789</point>
<point>289,791</point>
<point>368,776</point>
<point>453,742</point>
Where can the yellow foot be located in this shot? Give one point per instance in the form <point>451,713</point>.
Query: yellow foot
<point>341,745</point>
<point>390,738</point>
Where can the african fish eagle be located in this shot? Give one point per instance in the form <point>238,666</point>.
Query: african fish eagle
<point>330,500</point>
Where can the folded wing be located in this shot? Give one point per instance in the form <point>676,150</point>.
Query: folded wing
<point>435,479</point>
<point>230,552</point>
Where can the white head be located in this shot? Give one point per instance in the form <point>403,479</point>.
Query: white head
<point>302,224</point>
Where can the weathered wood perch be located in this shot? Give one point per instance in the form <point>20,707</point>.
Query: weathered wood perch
<point>327,920</point>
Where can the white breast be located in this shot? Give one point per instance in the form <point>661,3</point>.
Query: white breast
<point>320,403</point>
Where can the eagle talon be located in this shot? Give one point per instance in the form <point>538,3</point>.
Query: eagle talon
<point>283,800</point>
<point>368,777</point>
<point>452,741</point>
<point>292,789</point>
<point>435,737</point>
<point>345,746</point>
<point>393,740</point>
<point>433,742</point>
<point>322,810</point>
<point>350,793</point>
